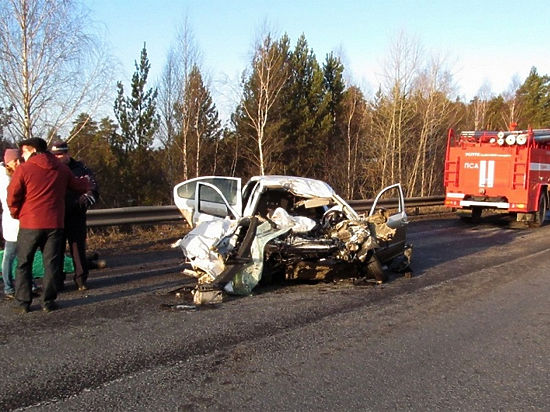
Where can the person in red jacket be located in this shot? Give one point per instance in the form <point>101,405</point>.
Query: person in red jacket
<point>36,196</point>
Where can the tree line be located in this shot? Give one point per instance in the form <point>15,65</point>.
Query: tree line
<point>296,115</point>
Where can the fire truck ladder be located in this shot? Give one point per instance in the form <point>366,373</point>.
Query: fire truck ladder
<point>519,174</point>
<point>451,172</point>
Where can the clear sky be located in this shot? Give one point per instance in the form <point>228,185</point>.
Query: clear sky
<point>486,41</point>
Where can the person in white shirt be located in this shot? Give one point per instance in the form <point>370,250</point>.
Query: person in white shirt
<point>10,226</point>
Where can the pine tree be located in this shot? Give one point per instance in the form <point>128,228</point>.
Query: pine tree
<point>534,97</point>
<point>136,114</point>
<point>207,124</point>
<point>333,124</point>
<point>304,146</point>
<point>91,143</point>
<point>334,85</point>
<point>138,121</point>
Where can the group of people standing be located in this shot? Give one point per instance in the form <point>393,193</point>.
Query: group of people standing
<point>45,195</point>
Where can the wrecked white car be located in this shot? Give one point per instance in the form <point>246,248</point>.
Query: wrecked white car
<point>284,227</point>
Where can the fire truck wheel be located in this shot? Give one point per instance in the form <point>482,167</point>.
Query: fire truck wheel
<point>540,215</point>
<point>476,214</point>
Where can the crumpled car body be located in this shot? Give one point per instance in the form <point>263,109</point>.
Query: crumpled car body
<point>284,227</point>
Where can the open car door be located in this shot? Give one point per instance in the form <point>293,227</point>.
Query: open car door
<point>208,197</point>
<point>392,200</point>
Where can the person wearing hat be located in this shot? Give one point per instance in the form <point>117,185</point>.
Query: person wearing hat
<point>36,196</point>
<point>10,226</point>
<point>76,205</point>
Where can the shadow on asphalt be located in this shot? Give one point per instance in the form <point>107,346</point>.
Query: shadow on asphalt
<point>440,242</point>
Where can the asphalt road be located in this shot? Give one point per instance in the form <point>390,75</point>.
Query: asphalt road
<point>469,331</point>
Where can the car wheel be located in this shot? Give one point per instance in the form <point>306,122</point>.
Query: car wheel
<point>374,268</point>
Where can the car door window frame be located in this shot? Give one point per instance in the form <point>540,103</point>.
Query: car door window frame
<point>188,205</point>
<point>199,202</point>
<point>399,218</point>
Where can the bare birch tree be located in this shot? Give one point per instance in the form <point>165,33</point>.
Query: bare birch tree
<point>269,73</point>
<point>433,89</point>
<point>479,106</point>
<point>176,119</point>
<point>188,113</point>
<point>51,67</point>
<point>400,70</point>
<point>354,114</point>
<point>511,116</point>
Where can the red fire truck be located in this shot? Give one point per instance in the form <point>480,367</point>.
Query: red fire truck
<point>507,170</point>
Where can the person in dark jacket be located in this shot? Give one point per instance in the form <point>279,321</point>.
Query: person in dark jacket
<point>36,196</point>
<point>76,205</point>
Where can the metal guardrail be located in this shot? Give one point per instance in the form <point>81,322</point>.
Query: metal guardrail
<point>157,214</point>
<point>364,205</point>
<point>132,215</point>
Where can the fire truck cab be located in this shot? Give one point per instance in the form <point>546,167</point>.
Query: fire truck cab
<point>506,170</point>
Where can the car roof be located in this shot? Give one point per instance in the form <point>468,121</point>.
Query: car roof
<point>298,185</point>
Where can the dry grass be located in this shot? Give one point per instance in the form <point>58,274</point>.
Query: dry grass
<point>130,237</point>
<point>427,210</point>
